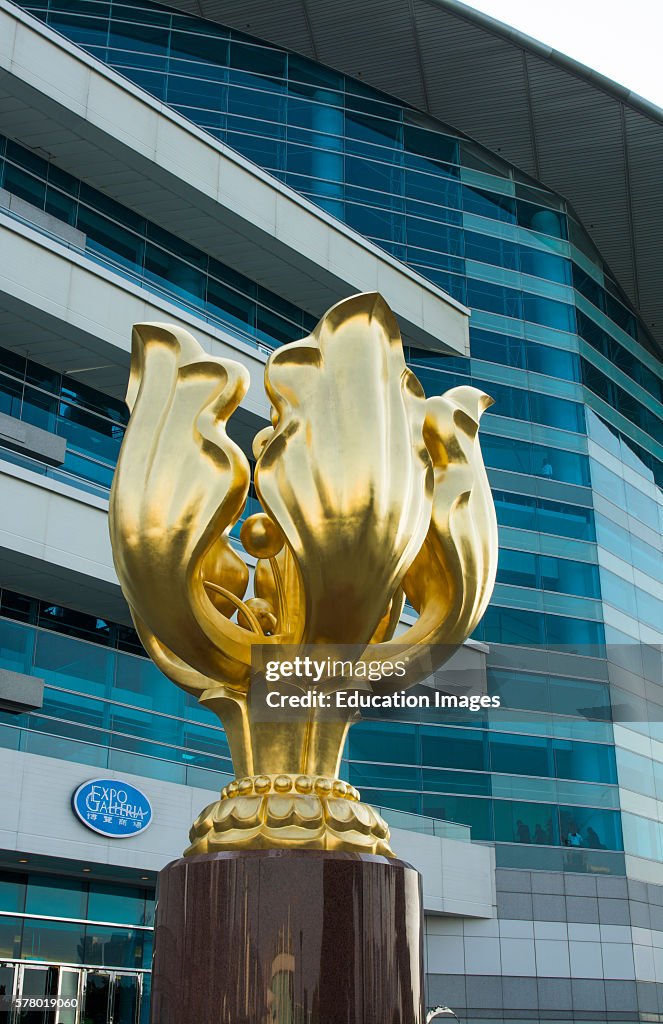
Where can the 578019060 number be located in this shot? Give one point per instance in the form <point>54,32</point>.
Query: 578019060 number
<point>45,1003</point>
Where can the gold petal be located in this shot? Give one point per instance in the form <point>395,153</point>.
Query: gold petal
<point>345,472</point>
<point>451,580</point>
<point>179,484</point>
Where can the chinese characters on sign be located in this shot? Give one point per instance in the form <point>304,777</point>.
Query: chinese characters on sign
<point>113,808</point>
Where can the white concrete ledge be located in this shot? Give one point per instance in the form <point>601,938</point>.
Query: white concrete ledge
<point>458,878</point>
<point>24,437</point>
<point>18,206</point>
<point>54,543</point>
<point>89,120</point>
<point>64,309</point>
<point>19,693</point>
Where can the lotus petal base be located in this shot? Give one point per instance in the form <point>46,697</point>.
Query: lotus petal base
<point>283,811</point>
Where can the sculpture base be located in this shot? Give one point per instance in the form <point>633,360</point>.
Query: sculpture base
<point>307,814</point>
<point>292,936</point>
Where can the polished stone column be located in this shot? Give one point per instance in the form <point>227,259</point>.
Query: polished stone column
<point>288,937</point>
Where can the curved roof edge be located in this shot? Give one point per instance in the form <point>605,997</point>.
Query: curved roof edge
<point>621,92</point>
<point>588,139</point>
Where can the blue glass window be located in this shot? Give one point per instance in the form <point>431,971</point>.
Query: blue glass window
<point>57,941</point>
<point>526,691</point>
<point>431,145</point>
<point>472,811</point>
<point>498,348</point>
<point>565,520</point>
<point>113,947</point>
<point>548,312</point>
<point>375,223</point>
<point>248,60</point>
<point>453,748</point>
<point>546,265</point>
<point>390,776</point>
<point>575,633</point>
<point>517,568</point>
<point>598,829</point>
<point>587,762</point>
<point>87,28</point>
<point>11,931</point>
<point>526,823</point>
<point>192,96</point>
<point>567,577</point>
<point>521,755</point>
<point>123,904</point>
<point>60,205</point>
<point>56,897</point>
<point>209,51</point>
<point>541,219</point>
<point>438,188</point>
<point>12,893</point>
<point>487,249</point>
<point>24,185</point>
<point>373,741</point>
<point>511,402</point>
<point>489,204</point>
<point>375,130</point>
<point>534,460</point>
<point>437,780</point>
<point>553,362</point>
<point>39,409</point>
<point>581,698</point>
<point>557,412</point>
<point>495,298</point>
<point>642,837</point>
<point>511,626</point>
<point>410,802</point>
<point>527,513</point>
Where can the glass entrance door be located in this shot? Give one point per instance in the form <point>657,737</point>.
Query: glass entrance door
<point>37,985</point>
<point>97,998</point>
<point>126,997</point>
<point>111,997</point>
<point>68,992</point>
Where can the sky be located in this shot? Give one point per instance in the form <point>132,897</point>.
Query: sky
<point>620,38</point>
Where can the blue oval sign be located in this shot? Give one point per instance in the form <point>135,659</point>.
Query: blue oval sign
<point>112,807</point>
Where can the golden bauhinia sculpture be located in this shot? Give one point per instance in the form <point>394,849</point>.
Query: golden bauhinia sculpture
<point>372,494</point>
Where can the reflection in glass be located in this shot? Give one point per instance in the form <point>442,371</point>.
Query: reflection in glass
<point>57,941</point>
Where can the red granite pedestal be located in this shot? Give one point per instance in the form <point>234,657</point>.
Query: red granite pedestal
<point>288,937</point>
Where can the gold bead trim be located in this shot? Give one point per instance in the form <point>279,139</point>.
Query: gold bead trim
<point>261,785</point>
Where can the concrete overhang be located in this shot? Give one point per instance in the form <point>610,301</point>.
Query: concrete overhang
<point>585,137</point>
<point>54,544</point>
<point>90,121</point>
<point>62,309</point>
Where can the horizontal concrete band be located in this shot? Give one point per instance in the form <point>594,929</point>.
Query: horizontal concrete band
<point>559,998</point>
<point>20,208</point>
<point>19,692</point>
<point>24,437</point>
<point>66,310</point>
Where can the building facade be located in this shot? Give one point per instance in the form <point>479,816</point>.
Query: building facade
<point>156,164</point>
